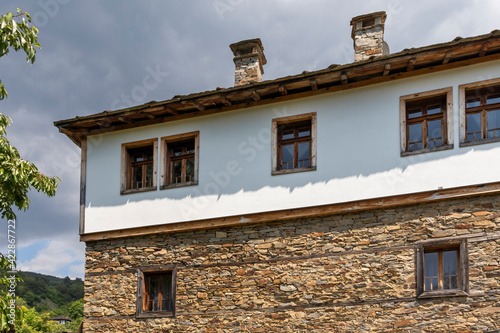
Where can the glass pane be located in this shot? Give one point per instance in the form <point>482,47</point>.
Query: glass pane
<point>493,124</point>
<point>190,149</point>
<point>167,293</point>
<point>454,282</point>
<point>288,134</point>
<point>304,158</point>
<point>472,102</point>
<point>138,158</point>
<point>306,131</point>
<point>287,157</point>
<point>137,177</point>
<point>434,109</point>
<point>431,264</point>
<point>473,127</point>
<point>153,294</point>
<point>428,284</point>
<point>492,99</point>
<point>414,113</point>
<point>415,136</point>
<point>450,262</point>
<point>434,133</point>
<point>177,151</point>
<point>149,156</point>
<point>149,175</point>
<point>190,170</point>
<point>176,172</point>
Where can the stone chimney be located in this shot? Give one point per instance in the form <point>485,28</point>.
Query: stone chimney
<point>248,60</point>
<point>368,36</point>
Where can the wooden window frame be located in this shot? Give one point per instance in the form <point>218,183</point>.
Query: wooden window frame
<point>461,245</point>
<point>481,109</point>
<point>142,293</point>
<point>165,164</point>
<point>276,155</point>
<point>446,125</point>
<point>126,166</point>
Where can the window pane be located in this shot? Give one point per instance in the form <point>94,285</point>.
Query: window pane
<point>167,293</point>
<point>306,131</point>
<point>472,102</point>
<point>176,172</point>
<point>138,158</point>
<point>431,264</point>
<point>492,99</point>
<point>434,133</point>
<point>414,113</point>
<point>153,294</point>
<point>149,175</point>
<point>190,149</point>
<point>149,156</point>
<point>288,134</point>
<point>304,158</point>
<point>137,177</point>
<point>473,127</point>
<point>287,157</point>
<point>190,169</point>
<point>434,109</point>
<point>415,136</point>
<point>450,262</point>
<point>493,124</point>
<point>177,151</point>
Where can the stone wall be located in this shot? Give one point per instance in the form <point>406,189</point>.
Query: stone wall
<point>338,273</point>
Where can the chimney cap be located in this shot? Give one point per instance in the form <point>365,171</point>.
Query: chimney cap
<point>248,47</point>
<point>381,14</point>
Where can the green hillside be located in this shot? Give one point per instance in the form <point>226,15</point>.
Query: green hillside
<point>45,292</point>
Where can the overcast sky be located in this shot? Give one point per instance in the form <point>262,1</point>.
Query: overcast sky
<point>94,53</point>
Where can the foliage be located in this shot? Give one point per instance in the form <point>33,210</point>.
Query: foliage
<point>49,292</point>
<point>17,33</point>
<point>18,176</point>
<point>34,322</point>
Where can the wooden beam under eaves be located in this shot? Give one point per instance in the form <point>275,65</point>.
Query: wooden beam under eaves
<point>125,120</point>
<point>225,101</point>
<point>171,111</point>
<point>255,95</point>
<point>314,84</point>
<point>387,69</point>
<point>283,90</point>
<point>343,78</point>
<point>484,49</point>
<point>103,123</point>
<point>411,64</point>
<point>447,57</point>
<point>199,106</point>
<point>147,115</point>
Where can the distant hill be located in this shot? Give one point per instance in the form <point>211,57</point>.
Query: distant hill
<point>47,292</point>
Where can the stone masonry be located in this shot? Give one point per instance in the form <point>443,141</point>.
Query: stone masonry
<point>338,273</point>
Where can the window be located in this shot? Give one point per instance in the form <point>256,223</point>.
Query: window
<point>294,144</point>
<point>180,164</point>
<point>442,268</point>
<point>426,121</point>
<point>480,112</point>
<point>139,166</point>
<point>156,293</point>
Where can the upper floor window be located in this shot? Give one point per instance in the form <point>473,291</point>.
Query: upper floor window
<point>426,121</point>
<point>139,166</point>
<point>294,144</point>
<point>480,112</point>
<point>180,165</point>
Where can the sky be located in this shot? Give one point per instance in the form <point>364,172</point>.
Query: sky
<point>96,55</point>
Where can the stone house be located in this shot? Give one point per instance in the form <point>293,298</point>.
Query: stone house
<point>358,198</point>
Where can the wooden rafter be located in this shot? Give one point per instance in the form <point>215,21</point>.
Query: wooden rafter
<point>255,95</point>
<point>447,57</point>
<point>147,115</point>
<point>484,49</point>
<point>283,90</point>
<point>225,101</point>
<point>387,69</point>
<point>314,84</point>
<point>411,64</point>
